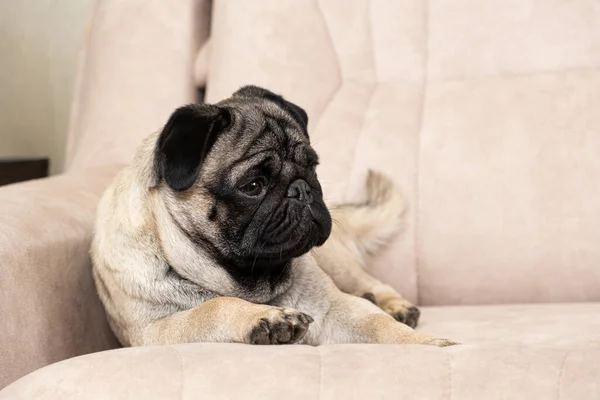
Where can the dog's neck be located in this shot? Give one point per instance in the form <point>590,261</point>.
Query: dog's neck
<point>260,275</point>
<point>258,280</point>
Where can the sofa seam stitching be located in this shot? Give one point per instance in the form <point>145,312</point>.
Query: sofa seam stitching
<point>338,63</point>
<point>449,364</point>
<point>320,373</point>
<point>369,14</point>
<point>182,380</point>
<point>418,150</point>
<point>372,92</point>
<point>508,75</point>
<point>358,139</point>
<point>328,103</point>
<point>561,373</point>
<point>331,41</point>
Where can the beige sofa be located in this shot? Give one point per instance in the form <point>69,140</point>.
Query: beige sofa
<point>487,114</point>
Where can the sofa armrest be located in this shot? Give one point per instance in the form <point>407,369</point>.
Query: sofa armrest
<point>48,304</point>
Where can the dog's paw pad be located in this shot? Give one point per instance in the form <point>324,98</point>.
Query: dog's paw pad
<point>260,333</point>
<point>280,326</point>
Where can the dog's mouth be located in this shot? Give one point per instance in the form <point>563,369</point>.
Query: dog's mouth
<point>298,222</point>
<point>287,224</point>
<point>287,232</point>
<point>295,248</point>
<point>291,232</point>
<point>289,243</point>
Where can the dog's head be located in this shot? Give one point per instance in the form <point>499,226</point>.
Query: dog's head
<point>239,179</point>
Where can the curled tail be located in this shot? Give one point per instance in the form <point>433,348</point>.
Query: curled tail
<point>370,225</point>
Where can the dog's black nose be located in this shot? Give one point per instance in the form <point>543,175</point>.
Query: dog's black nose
<point>300,190</point>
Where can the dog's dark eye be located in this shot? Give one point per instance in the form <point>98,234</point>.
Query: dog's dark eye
<point>254,188</point>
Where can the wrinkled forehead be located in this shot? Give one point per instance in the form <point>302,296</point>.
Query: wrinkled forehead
<point>257,112</point>
<point>260,129</point>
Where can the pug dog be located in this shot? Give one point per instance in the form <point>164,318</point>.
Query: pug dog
<point>218,232</point>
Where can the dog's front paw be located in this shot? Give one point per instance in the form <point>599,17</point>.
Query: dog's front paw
<point>278,325</point>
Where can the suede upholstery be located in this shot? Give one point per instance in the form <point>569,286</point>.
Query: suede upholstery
<point>49,308</point>
<point>495,148</point>
<point>328,372</point>
<point>484,112</point>
<point>551,351</point>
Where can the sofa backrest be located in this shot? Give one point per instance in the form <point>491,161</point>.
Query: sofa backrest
<point>486,113</point>
<point>135,68</point>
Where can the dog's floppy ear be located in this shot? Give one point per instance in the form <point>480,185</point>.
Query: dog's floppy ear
<point>185,141</point>
<point>255,91</point>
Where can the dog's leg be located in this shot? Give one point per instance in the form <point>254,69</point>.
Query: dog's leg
<point>354,320</point>
<point>360,230</point>
<point>345,267</point>
<point>228,319</point>
<point>343,318</point>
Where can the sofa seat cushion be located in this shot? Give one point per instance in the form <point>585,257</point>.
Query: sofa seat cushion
<point>517,352</point>
<point>566,325</point>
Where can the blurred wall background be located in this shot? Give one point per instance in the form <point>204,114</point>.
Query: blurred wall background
<point>39,46</point>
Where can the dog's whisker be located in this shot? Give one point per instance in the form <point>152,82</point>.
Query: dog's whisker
<point>254,262</point>
<point>338,223</point>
